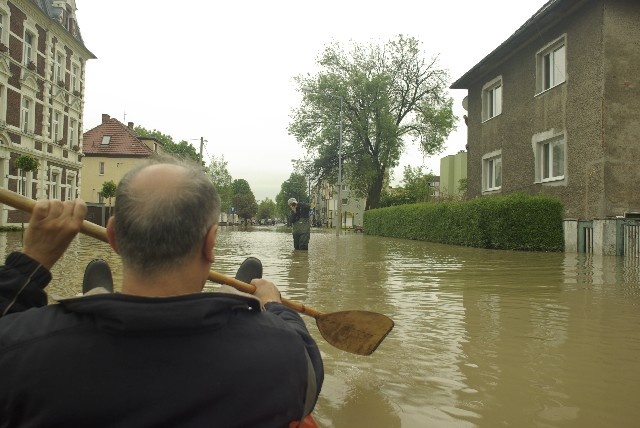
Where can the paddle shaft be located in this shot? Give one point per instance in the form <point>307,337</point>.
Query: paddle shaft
<point>98,232</point>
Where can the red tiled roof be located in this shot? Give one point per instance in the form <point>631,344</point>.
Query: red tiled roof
<point>123,142</point>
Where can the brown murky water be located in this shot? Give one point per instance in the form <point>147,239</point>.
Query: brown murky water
<point>482,338</point>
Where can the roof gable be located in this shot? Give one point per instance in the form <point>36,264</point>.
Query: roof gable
<point>123,142</point>
<point>551,11</point>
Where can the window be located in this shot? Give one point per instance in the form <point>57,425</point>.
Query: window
<point>72,132</point>
<point>101,168</point>
<point>58,70</point>
<point>551,64</point>
<point>25,114</point>
<point>551,159</point>
<point>53,189</point>
<point>55,126</point>
<point>71,187</point>
<point>3,105</point>
<point>492,99</point>
<point>74,77</point>
<point>3,23</point>
<point>492,171</point>
<point>27,54</point>
<point>106,139</point>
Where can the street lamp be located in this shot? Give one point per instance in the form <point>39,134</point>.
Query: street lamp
<point>328,94</point>
<point>202,141</point>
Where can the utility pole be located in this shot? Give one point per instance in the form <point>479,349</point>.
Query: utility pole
<point>201,146</point>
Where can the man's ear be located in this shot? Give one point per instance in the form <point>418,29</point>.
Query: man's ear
<point>209,243</point>
<point>111,233</point>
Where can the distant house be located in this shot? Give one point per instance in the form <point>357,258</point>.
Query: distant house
<point>434,185</point>
<point>453,171</point>
<point>42,69</point>
<point>556,109</point>
<point>324,201</point>
<point>110,150</point>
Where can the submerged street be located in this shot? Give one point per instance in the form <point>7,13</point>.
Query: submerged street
<point>481,339</point>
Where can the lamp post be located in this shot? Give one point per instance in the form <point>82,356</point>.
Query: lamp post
<point>202,141</point>
<point>308,90</point>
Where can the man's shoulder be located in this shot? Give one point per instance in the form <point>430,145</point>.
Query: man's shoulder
<point>34,324</point>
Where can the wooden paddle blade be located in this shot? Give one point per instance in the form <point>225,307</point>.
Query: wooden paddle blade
<point>358,332</point>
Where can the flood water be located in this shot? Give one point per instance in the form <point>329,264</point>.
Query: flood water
<point>482,338</point>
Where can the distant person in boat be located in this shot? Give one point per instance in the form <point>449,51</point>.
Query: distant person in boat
<point>299,219</point>
<point>160,352</point>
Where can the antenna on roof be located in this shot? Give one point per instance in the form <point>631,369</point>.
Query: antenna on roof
<point>124,119</point>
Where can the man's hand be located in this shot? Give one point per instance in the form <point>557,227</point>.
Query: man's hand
<point>52,227</point>
<point>266,291</point>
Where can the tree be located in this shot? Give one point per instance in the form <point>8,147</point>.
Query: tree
<point>221,179</point>
<point>108,191</point>
<point>183,149</point>
<point>389,94</point>
<point>243,199</point>
<point>266,209</point>
<point>293,187</point>
<point>416,184</point>
<point>26,163</point>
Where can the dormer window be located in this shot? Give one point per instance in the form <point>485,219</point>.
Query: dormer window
<point>106,140</point>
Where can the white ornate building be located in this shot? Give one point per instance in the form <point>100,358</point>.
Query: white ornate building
<point>42,68</point>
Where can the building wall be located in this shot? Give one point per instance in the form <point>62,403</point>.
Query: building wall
<point>453,168</point>
<point>59,171</point>
<point>572,109</point>
<point>621,99</point>
<point>92,180</point>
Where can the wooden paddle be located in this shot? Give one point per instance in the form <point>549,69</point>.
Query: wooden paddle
<point>358,332</point>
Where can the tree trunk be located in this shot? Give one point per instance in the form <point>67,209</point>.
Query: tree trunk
<point>373,198</point>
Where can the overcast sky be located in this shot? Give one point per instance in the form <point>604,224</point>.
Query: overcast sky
<point>223,70</point>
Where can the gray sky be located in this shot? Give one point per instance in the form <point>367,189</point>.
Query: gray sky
<point>223,70</point>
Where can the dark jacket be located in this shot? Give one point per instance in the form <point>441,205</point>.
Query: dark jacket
<point>302,211</point>
<point>207,359</point>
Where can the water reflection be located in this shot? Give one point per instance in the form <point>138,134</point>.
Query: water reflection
<point>482,338</point>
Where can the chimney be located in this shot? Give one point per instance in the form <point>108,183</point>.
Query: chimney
<point>130,125</point>
<point>105,118</point>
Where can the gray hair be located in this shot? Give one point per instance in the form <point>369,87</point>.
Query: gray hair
<point>156,231</point>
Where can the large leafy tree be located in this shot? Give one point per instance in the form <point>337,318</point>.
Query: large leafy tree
<point>294,187</point>
<point>219,174</point>
<point>243,199</point>
<point>183,149</point>
<point>389,95</point>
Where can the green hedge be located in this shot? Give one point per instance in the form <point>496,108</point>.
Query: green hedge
<point>512,222</point>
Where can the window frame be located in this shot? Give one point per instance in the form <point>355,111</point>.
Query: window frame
<point>27,48</point>
<point>58,68</point>
<point>549,168</point>
<point>548,59</point>
<point>75,72</point>
<point>492,163</point>
<point>492,99</point>
<point>53,185</point>
<point>4,22</point>
<point>101,168</point>
<point>71,132</point>
<point>26,113</point>
<point>55,126</point>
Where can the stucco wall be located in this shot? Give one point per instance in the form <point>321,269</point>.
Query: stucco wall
<point>621,136</point>
<point>573,109</point>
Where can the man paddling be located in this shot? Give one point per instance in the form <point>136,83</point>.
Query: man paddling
<point>161,352</point>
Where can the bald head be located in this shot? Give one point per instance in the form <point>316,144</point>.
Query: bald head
<point>159,177</point>
<point>163,211</point>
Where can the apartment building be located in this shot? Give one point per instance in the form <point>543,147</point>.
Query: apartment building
<point>42,73</point>
<point>555,109</point>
